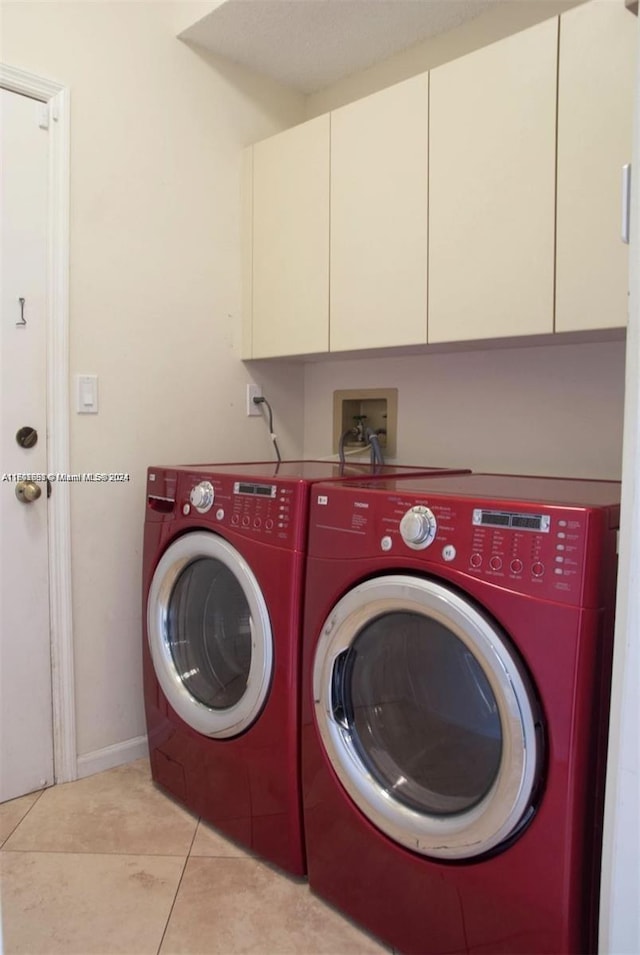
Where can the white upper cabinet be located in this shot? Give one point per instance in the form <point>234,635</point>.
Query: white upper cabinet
<point>492,190</point>
<point>290,249</point>
<point>595,110</point>
<point>479,201</point>
<point>379,208</point>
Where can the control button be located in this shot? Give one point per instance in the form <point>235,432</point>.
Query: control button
<point>386,543</point>
<point>235,520</point>
<point>537,569</point>
<point>418,527</point>
<point>268,524</point>
<point>495,563</point>
<point>559,546</point>
<point>559,560</point>
<point>476,560</point>
<point>186,509</point>
<point>220,514</point>
<point>561,535</point>
<point>449,552</point>
<point>516,566</point>
<point>246,520</point>
<point>558,570</point>
<point>257,522</point>
<point>562,523</point>
<point>201,496</point>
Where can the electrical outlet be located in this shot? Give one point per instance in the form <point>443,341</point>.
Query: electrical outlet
<point>253,391</point>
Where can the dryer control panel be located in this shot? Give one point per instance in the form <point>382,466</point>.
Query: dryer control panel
<point>534,549</point>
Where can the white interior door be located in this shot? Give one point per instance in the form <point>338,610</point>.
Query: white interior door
<point>26,732</point>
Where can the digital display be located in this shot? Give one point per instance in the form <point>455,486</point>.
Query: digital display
<point>532,523</point>
<point>496,520</point>
<point>519,522</point>
<point>259,490</point>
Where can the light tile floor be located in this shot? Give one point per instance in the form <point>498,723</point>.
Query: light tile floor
<point>109,864</point>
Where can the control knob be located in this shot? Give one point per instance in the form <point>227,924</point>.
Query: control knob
<point>202,496</point>
<point>418,527</point>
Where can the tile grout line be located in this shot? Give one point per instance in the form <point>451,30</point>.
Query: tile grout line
<point>93,852</point>
<point>22,819</point>
<point>175,898</point>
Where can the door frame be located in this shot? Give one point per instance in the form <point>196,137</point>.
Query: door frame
<point>55,98</point>
<point>620,883</point>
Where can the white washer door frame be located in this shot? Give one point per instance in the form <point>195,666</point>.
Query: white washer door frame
<point>491,821</point>
<point>218,723</point>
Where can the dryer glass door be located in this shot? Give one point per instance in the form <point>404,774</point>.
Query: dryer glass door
<point>209,635</point>
<point>427,716</point>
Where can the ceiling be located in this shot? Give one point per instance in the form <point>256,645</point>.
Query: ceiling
<point>310,44</point>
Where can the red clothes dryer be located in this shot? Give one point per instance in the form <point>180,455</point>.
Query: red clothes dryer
<point>223,570</point>
<point>456,669</point>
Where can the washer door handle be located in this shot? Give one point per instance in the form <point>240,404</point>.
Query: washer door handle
<point>338,679</point>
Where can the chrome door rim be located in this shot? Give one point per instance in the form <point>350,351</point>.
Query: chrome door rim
<point>489,822</point>
<point>234,719</point>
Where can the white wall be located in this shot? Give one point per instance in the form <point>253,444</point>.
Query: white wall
<point>553,409</point>
<point>157,131</point>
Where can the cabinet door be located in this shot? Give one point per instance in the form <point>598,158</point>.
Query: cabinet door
<point>290,269</point>
<point>492,189</point>
<point>595,113</point>
<point>379,219</point>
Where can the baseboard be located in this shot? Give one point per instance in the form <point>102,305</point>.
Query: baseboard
<point>110,756</point>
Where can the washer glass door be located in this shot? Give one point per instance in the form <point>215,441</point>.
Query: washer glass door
<point>427,716</point>
<point>209,635</point>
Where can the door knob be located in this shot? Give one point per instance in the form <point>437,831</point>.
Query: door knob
<point>28,491</point>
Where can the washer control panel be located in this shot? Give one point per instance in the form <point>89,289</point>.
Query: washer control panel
<point>268,511</point>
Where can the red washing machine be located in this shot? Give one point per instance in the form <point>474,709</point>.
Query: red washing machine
<point>456,668</point>
<point>224,558</point>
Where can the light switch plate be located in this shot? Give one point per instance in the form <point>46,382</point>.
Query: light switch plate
<point>87,394</point>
